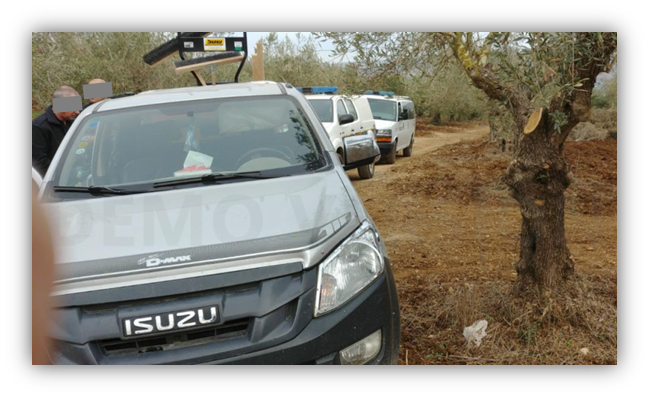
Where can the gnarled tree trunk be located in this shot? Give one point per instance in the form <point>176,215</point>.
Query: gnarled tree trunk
<point>538,177</point>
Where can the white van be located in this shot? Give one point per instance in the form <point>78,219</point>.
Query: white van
<point>395,123</point>
<point>353,116</point>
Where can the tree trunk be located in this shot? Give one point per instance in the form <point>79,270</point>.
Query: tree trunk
<point>538,177</point>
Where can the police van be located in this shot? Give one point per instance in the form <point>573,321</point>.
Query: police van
<point>395,123</point>
<point>214,225</point>
<point>342,117</point>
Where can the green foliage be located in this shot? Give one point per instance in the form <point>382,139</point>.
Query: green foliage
<point>605,96</point>
<point>610,90</point>
<point>412,64</point>
<point>448,96</point>
<point>559,119</point>
<point>600,101</point>
<point>501,122</point>
<point>544,65</point>
<point>298,62</point>
<point>73,59</point>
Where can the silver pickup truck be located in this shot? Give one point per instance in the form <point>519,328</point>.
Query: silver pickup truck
<point>215,225</point>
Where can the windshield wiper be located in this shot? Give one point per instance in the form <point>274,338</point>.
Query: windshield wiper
<point>97,190</point>
<point>215,177</point>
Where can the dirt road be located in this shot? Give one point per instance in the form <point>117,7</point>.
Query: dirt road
<point>426,143</point>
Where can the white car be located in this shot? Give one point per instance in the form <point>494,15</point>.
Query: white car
<point>353,116</point>
<point>395,123</point>
<point>36,180</point>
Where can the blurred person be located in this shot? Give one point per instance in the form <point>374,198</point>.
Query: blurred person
<point>49,129</point>
<point>95,100</point>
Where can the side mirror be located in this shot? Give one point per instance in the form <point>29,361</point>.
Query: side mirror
<point>360,150</point>
<point>345,119</point>
<point>403,115</point>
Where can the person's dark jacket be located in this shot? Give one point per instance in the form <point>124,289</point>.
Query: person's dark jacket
<point>47,134</point>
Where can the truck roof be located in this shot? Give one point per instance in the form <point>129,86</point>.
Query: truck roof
<point>395,98</point>
<point>330,96</point>
<point>154,97</point>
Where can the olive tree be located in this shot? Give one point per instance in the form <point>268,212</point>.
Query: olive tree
<point>545,81</point>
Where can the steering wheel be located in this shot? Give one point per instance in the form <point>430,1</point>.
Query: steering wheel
<point>248,155</point>
<point>287,151</point>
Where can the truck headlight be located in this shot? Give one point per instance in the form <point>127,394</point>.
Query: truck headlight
<point>387,132</point>
<point>349,269</point>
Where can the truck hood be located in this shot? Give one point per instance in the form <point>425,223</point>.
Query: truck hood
<point>122,234</point>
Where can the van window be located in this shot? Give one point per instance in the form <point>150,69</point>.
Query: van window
<point>383,109</point>
<point>402,107</point>
<point>410,107</point>
<point>324,109</point>
<point>351,109</point>
<point>340,108</point>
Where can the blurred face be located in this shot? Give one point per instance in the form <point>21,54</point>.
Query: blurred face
<point>68,116</point>
<point>96,81</point>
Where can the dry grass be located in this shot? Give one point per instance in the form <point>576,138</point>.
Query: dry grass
<point>602,125</point>
<point>588,131</point>
<point>606,119</point>
<point>531,330</point>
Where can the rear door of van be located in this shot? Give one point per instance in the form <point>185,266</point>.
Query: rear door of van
<point>399,132</point>
<point>355,126</point>
<point>411,122</point>
<point>365,116</point>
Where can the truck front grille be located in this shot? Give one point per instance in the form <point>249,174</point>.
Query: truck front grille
<point>228,330</point>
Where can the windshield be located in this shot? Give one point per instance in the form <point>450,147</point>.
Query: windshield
<point>383,110</point>
<point>324,109</point>
<point>174,141</point>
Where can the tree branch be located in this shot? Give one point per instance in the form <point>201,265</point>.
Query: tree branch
<point>591,61</point>
<point>485,79</point>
